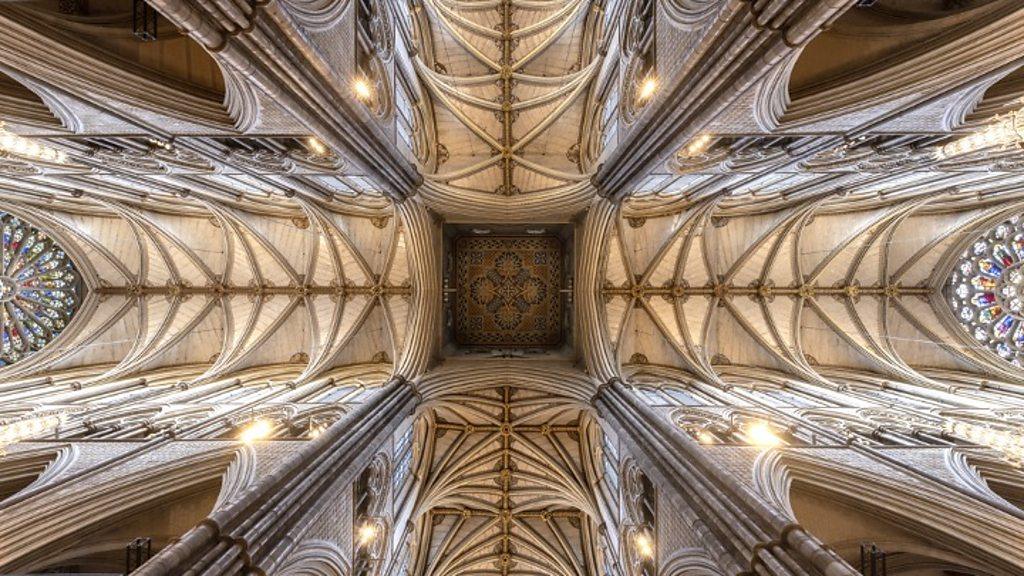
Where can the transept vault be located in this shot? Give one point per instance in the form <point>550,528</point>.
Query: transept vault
<point>512,287</point>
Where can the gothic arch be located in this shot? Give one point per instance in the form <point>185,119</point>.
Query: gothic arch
<point>886,55</point>
<point>112,502</point>
<point>24,106</point>
<point>999,97</point>
<point>690,562</point>
<point>990,475</point>
<point>171,76</point>
<point>846,504</point>
<point>33,466</point>
<point>315,558</point>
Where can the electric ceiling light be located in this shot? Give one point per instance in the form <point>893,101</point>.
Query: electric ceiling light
<point>316,146</point>
<point>160,143</point>
<point>644,545</point>
<point>697,146</point>
<point>256,430</point>
<point>11,143</point>
<point>1004,131</point>
<point>362,89</point>
<point>761,434</point>
<point>367,533</point>
<point>1009,444</point>
<point>647,88</point>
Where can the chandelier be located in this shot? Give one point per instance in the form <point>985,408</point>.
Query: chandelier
<point>1006,130</point>
<point>16,145</point>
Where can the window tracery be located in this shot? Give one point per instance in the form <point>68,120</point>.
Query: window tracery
<point>735,427</point>
<point>40,289</point>
<point>403,461</point>
<point>640,522</point>
<point>371,526</point>
<point>374,48</point>
<point>986,290</point>
<point>638,49</point>
<point>610,465</point>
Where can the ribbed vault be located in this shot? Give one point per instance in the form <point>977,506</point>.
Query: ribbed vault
<point>509,84</point>
<point>255,203</point>
<point>504,480</point>
<point>806,290</point>
<point>218,287</point>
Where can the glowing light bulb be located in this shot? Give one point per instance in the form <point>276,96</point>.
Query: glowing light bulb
<point>367,533</point>
<point>705,437</point>
<point>316,146</point>
<point>647,89</point>
<point>315,432</point>
<point>644,545</point>
<point>257,430</point>
<point>761,434</point>
<point>160,143</point>
<point>362,89</point>
<point>697,146</point>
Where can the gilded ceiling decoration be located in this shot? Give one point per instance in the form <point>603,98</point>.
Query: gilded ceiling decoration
<point>507,292</point>
<point>40,290</point>
<point>722,282</point>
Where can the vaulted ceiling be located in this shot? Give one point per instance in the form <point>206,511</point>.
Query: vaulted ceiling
<point>509,84</point>
<point>318,290</point>
<point>805,290</point>
<point>506,477</point>
<point>788,204</point>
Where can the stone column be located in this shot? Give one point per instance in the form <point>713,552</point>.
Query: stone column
<point>251,533</point>
<point>592,337</point>
<point>745,41</point>
<point>268,47</point>
<point>741,530</point>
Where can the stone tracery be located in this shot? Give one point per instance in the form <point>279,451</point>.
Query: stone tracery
<point>986,290</point>
<point>40,290</point>
<point>758,292</point>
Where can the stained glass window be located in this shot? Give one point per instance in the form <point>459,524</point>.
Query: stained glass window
<point>986,290</point>
<point>40,290</point>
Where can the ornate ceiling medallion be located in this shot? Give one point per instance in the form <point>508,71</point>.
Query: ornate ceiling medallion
<point>508,291</point>
<point>986,290</point>
<point>40,289</point>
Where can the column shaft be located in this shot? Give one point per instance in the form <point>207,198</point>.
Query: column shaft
<point>246,533</point>
<point>747,528</point>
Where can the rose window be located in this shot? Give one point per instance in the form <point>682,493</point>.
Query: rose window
<point>40,290</point>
